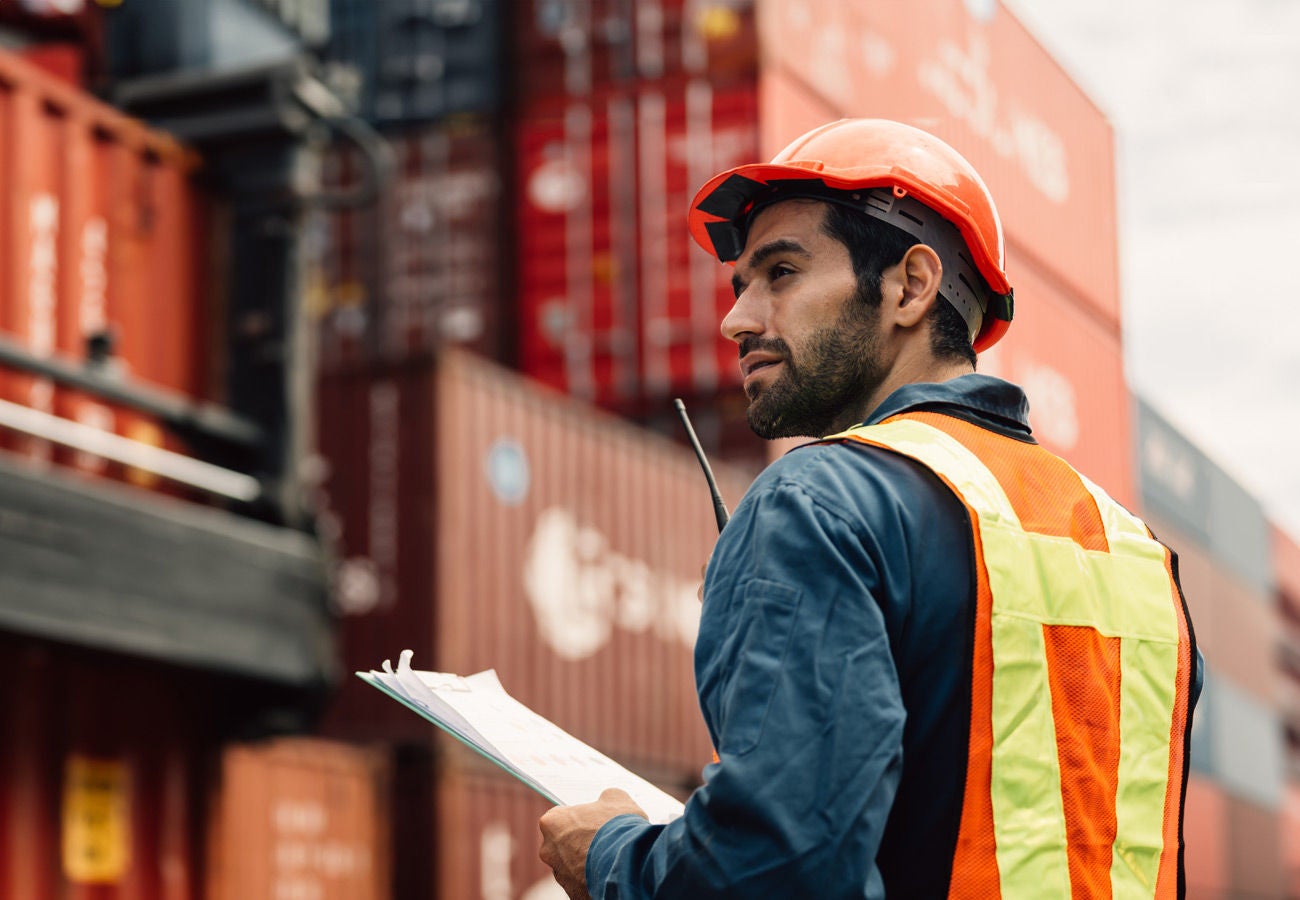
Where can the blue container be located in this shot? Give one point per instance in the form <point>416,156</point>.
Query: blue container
<point>420,60</point>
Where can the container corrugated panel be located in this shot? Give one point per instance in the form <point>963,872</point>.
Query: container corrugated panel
<point>1242,743</point>
<point>300,817</point>
<point>485,839</point>
<point>1286,565</point>
<point>567,49</point>
<point>1173,474</point>
<point>1254,850</point>
<point>568,548</point>
<point>1205,838</point>
<point>99,790</point>
<point>1239,532</point>
<point>1236,628</point>
<point>420,61</point>
<point>102,227</point>
<point>423,267</point>
<point>1289,823</point>
<point>617,304</point>
<point>972,74</point>
<point>376,430</point>
<point>1072,370</point>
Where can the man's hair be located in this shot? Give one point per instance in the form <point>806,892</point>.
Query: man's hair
<point>874,246</point>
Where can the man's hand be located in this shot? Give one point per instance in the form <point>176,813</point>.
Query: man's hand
<point>567,832</point>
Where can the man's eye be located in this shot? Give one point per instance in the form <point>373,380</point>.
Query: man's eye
<point>779,270</point>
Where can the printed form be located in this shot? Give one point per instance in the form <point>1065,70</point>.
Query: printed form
<point>478,711</point>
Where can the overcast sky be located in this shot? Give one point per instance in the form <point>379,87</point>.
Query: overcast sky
<point>1205,99</point>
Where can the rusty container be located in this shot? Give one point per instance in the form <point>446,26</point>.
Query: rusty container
<point>299,817</point>
<point>102,233</point>
<point>486,522</point>
<point>973,75</point>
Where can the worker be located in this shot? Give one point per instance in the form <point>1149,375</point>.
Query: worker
<point>934,660</point>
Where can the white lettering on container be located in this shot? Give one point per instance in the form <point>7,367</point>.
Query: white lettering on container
<point>1052,405</point>
<point>496,848</point>
<point>580,590</point>
<point>958,77</point>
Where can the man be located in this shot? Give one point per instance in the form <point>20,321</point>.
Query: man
<point>933,659</point>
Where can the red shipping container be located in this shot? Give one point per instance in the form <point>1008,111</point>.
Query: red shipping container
<point>491,524</point>
<point>1254,850</point>
<point>485,836</point>
<point>99,796</point>
<point>1286,566</point>
<point>102,229</point>
<point>617,303</point>
<point>1205,837</point>
<point>973,75</point>
<point>1237,629</point>
<point>423,266</point>
<point>1072,369</point>
<point>1290,824</point>
<point>564,49</point>
<point>300,817</point>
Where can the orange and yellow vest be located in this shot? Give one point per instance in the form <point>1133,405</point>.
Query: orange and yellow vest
<point>1081,677</point>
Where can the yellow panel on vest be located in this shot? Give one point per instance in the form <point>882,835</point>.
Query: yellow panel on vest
<point>1038,580</point>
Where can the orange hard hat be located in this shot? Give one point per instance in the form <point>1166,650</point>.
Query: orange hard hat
<point>892,172</point>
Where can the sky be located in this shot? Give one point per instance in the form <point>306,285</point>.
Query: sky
<point>1204,96</point>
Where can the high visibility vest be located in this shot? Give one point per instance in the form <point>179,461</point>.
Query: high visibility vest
<point>1082,667</point>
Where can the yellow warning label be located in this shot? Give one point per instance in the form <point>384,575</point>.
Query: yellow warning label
<point>96,820</point>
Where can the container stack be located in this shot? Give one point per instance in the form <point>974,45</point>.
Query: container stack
<point>1235,815</point>
<point>423,266</point>
<point>624,110</point>
<point>975,77</point>
<point>104,253</point>
<point>492,523</point>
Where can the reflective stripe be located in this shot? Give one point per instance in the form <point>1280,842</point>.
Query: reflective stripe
<point>1037,580</point>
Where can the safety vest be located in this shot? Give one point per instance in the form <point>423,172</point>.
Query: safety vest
<point>1080,683</point>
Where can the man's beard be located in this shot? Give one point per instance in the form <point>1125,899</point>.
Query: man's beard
<point>837,370</point>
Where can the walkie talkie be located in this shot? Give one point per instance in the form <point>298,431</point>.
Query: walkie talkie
<point>719,506</point>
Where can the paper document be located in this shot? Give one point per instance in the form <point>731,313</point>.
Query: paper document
<point>477,710</point>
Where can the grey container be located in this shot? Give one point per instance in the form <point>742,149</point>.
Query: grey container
<point>1239,534</point>
<point>1238,741</point>
<point>1173,474</point>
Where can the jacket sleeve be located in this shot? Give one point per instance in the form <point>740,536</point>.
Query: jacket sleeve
<point>798,686</point>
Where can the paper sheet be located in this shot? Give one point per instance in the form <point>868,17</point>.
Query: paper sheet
<point>477,710</point>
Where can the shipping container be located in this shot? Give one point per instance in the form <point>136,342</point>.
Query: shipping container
<point>1072,370</point>
<point>416,62</point>
<point>1286,566</point>
<point>1289,824</point>
<point>422,267</point>
<point>100,788</point>
<point>572,49</point>
<point>489,523</point>
<point>618,305</point>
<point>1173,474</point>
<point>103,231</point>
<point>1239,533</point>
<point>973,75</point>
<point>300,817</point>
<point>1254,849</point>
<point>1236,629</point>
<point>1178,482</point>
<point>1238,742</point>
<point>1205,837</point>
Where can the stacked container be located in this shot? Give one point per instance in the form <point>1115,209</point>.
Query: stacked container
<point>1223,542</point>
<point>103,230</point>
<point>976,78</point>
<point>487,522</point>
<point>624,110</point>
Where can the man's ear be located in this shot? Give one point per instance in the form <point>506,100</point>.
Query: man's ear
<point>920,273</point>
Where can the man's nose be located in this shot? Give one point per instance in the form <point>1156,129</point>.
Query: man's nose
<point>744,318</point>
